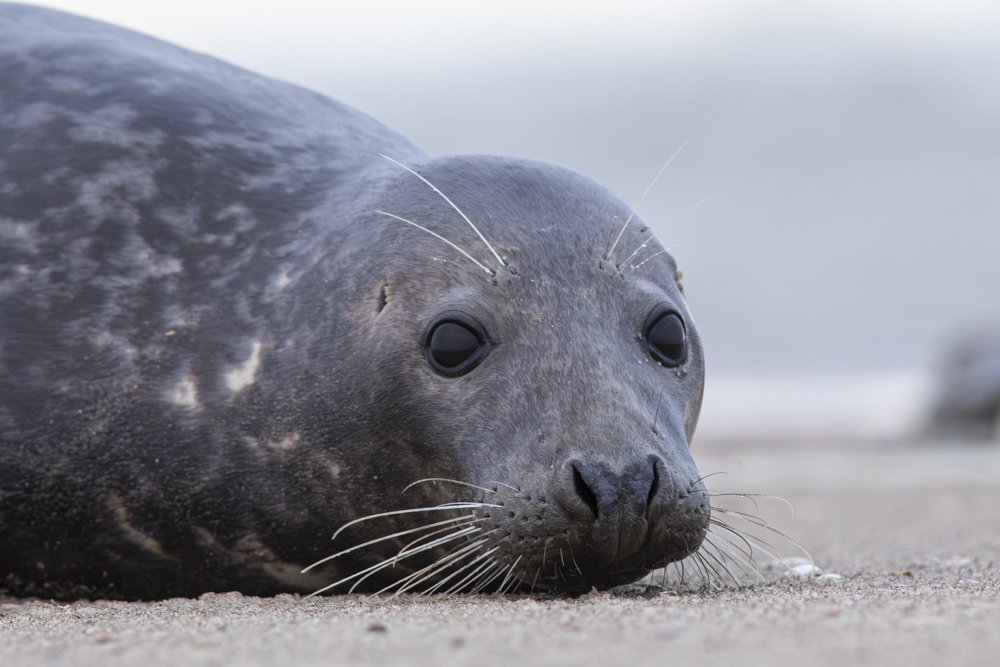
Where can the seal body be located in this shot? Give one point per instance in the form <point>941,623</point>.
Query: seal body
<point>226,324</point>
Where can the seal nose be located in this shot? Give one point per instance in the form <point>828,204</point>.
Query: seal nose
<point>601,494</point>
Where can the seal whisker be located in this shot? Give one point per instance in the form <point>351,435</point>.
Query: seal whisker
<point>721,557</point>
<point>733,552</point>
<point>611,233</point>
<point>510,572</point>
<point>446,480</point>
<point>391,562</point>
<point>459,571</point>
<point>453,205</point>
<point>761,544</point>
<point>512,488</point>
<point>476,583</point>
<point>421,227</point>
<point>388,562</point>
<point>656,413</point>
<point>473,579</point>
<point>715,579</point>
<point>704,572</point>
<point>637,251</point>
<point>389,537</point>
<point>636,207</point>
<point>435,508</point>
<point>429,535</point>
<point>757,521</point>
<point>433,569</point>
<point>719,577</point>
<point>748,552</point>
<point>411,548</point>
<point>751,496</point>
<point>488,578</point>
<point>642,262</point>
<point>696,566</point>
<point>517,579</point>
<point>721,563</point>
<point>485,555</point>
<point>694,205</point>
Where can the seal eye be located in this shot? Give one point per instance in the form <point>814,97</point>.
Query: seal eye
<point>455,346</point>
<point>667,339</point>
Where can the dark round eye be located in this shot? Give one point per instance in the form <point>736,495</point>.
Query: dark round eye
<point>454,347</point>
<point>667,339</point>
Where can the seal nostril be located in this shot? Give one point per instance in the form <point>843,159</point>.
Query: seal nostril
<point>653,488</point>
<point>584,491</point>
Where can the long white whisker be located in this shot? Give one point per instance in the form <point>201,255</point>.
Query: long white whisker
<point>510,572</point>
<point>436,508</point>
<point>434,543</point>
<point>410,222</point>
<point>721,560</point>
<point>425,537</point>
<point>460,570</point>
<point>763,546</point>
<point>453,205</point>
<point>446,480</point>
<point>748,554</point>
<point>389,537</point>
<point>422,548</point>
<point>643,262</point>
<point>636,207</point>
<point>458,586</point>
<point>487,578</point>
<point>732,555</point>
<point>389,562</point>
<point>757,521</point>
<point>434,568</point>
<point>637,251</point>
<point>512,488</point>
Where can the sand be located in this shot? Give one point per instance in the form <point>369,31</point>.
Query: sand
<point>912,531</point>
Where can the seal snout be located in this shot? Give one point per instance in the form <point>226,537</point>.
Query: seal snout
<point>612,521</point>
<point>595,490</point>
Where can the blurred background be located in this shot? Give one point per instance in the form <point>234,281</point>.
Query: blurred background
<point>836,210</point>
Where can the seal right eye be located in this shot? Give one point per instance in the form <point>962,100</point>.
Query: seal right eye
<point>455,347</point>
<point>667,338</point>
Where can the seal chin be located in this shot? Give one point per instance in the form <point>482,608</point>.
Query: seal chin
<point>600,525</point>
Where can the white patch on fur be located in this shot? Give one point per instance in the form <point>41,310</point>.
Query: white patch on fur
<point>288,443</point>
<point>185,393</point>
<point>123,517</point>
<point>243,376</point>
<point>281,281</point>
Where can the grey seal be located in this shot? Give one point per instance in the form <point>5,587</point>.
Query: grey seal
<point>236,315</point>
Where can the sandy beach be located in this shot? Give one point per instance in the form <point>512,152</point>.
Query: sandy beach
<point>912,531</point>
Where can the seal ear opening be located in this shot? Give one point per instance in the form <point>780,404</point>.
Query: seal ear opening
<point>383,297</point>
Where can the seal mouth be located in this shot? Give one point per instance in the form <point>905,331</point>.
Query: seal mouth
<point>508,540</point>
<point>549,542</point>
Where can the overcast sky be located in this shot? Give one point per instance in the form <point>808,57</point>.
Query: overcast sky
<point>299,39</point>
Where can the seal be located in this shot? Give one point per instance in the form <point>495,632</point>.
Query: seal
<point>236,315</point>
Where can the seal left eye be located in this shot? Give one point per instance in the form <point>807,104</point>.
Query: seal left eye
<point>454,347</point>
<point>667,339</point>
